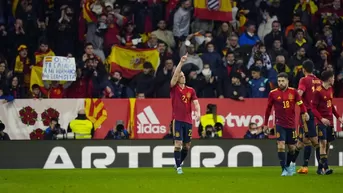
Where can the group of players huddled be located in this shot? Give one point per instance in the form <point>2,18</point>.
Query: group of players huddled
<point>314,97</point>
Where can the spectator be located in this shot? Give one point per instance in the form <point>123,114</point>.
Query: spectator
<point>81,88</point>
<point>207,85</point>
<point>277,50</point>
<point>194,58</point>
<point>165,35</point>
<point>224,32</point>
<point>15,88</point>
<point>95,37</point>
<point>5,97</point>
<point>140,95</point>
<point>274,35</point>
<point>291,36</point>
<point>254,132</point>
<point>299,41</point>
<point>54,90</point>
<point>306,9</point>
<point>232,46</point>
<point>36,93</point>
<point>143,81</point>
<point>118,131</point>
<point>212,57</point>
<point>265,26</point>
<point>23,65</point>
<point>42,52</point>
<point>114,23</point>
<point>4,73</point>
<point>119,89</point>
<point>259,86</point>
<point>262,55</point>
<point>3,135</point>
<point>54,129</point>
<point>236,89</point>
<point>182,19</point>
<point>249,37</point>
<point>162,79</point>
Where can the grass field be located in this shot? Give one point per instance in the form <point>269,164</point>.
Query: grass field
<point>204,180</point>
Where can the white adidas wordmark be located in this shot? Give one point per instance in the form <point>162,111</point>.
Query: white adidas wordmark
<point>147,122</point>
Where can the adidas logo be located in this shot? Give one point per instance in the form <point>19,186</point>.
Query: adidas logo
<point>149,123</point>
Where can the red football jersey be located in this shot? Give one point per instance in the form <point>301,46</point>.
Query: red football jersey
<point>308,85</point>
<point>284,103</point>
<point>322,106</point>
<point>182,103</point>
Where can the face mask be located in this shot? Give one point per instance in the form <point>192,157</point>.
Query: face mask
<point>210,49</point>
<point>206,72</point>
<point>253,132</point>
<point>115,79</point>
<point>280,67</point>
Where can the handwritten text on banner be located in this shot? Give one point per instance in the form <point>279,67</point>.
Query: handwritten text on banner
<point>59,68</point>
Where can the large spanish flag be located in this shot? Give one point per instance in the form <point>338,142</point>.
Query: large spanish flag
<point>220,10</point>
<point>130,61</point>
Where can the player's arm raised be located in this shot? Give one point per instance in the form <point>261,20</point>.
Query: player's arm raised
<point>177,71</point>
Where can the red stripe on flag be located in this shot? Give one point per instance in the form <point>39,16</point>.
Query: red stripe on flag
<point>99,114</point>
<point>97,102</point>
<point>212,15</point>
<point>91,109</point>
<point>127,73</point>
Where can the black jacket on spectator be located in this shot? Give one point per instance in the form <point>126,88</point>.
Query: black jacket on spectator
<point>143,83</point>
<point>271,37</point>
<point>205,89</point>
<point>17,92</point>
<point>162,84</point>
<point>235,91</point>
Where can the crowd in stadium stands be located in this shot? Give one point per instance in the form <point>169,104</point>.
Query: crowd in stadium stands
<point>236,59</point>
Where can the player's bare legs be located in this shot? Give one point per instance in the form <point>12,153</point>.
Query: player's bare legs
<point>177,155</point>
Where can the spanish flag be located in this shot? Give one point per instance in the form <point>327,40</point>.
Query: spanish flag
<point>87,13</point>
<point>95,111</point>
<point>130,61</point>
<point>220,10</point>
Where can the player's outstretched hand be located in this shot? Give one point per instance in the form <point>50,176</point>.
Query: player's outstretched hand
<point>325,121</point>
<point>184,58</point>
<point>307,117</point>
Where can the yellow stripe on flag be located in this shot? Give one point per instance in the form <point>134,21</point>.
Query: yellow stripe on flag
<point>131,123</point>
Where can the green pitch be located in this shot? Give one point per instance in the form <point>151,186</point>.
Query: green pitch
<point>204,180</point>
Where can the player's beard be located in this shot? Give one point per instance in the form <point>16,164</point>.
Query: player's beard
<point>283,87</point>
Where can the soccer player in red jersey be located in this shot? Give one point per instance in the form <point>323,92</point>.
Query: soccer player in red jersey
<point>307,130</point>
<point>323,109</point>
<point>284,100</point>
<point>182,96</point>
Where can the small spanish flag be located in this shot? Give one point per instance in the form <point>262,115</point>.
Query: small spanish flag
<point>48,59</point>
